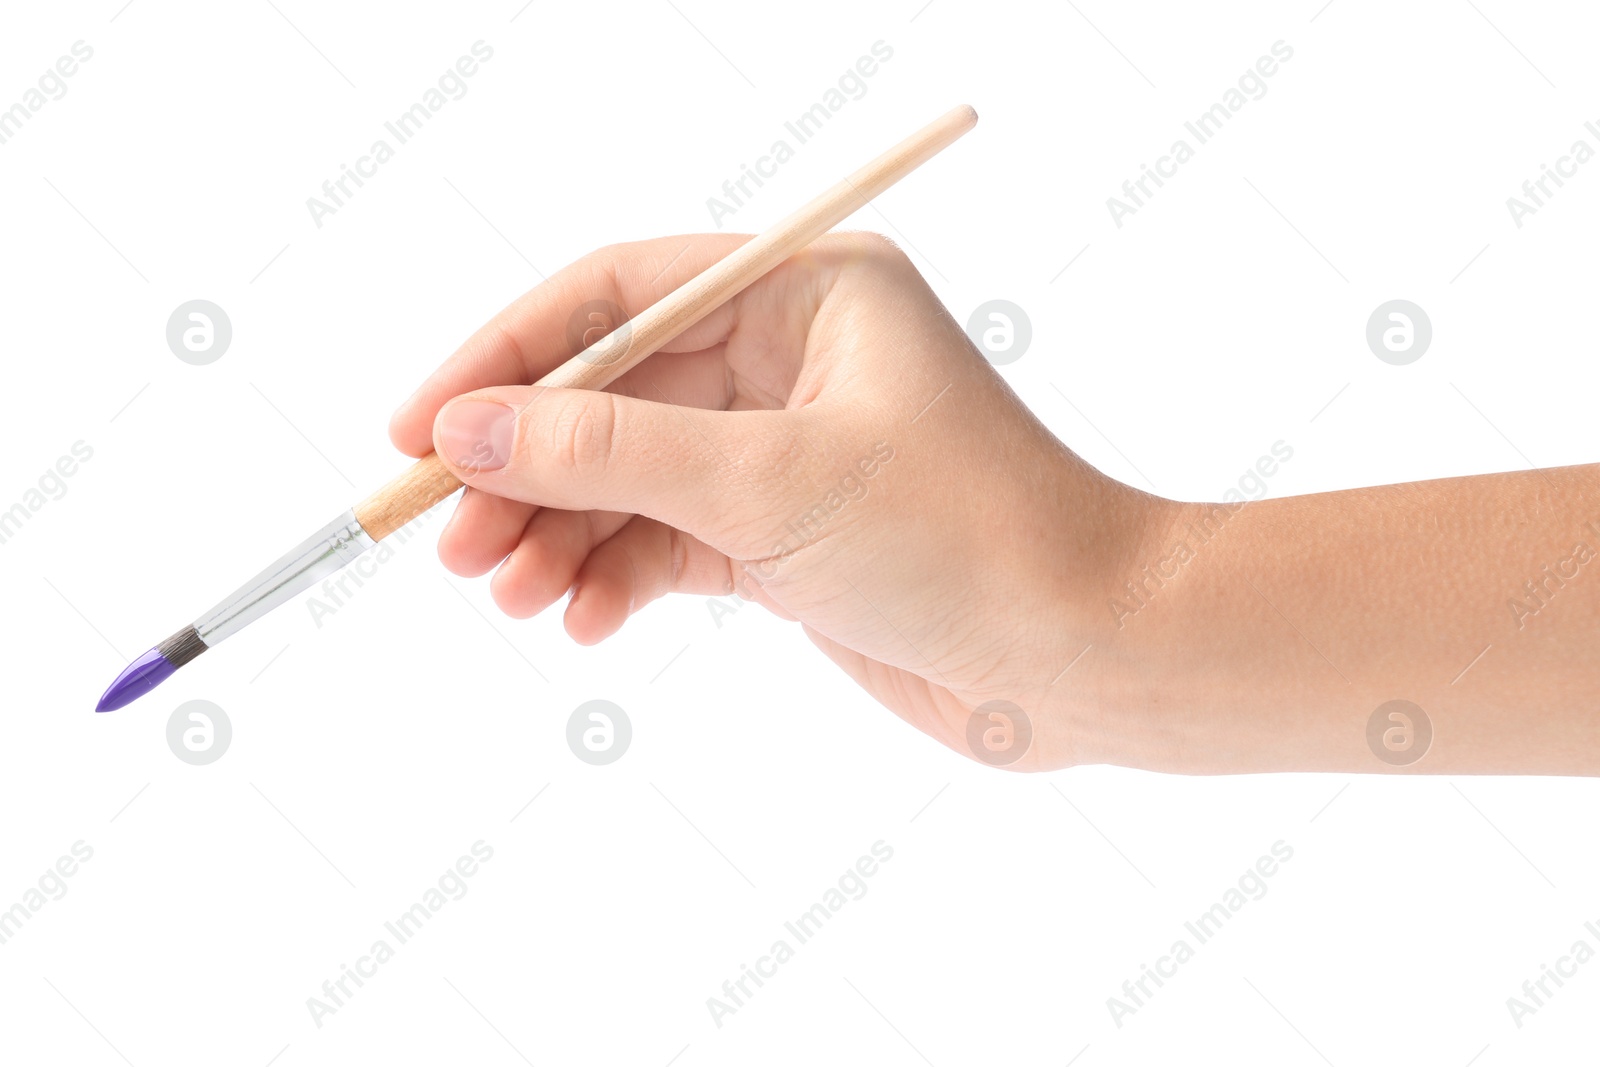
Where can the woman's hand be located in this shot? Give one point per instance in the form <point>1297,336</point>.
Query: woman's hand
<point>829,444</point>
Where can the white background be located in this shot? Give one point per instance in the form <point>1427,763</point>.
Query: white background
<point>368,754</point>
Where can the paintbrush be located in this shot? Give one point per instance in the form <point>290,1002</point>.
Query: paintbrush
<point>428,481</point>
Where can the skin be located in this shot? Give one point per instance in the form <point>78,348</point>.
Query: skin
<point>957,554</point>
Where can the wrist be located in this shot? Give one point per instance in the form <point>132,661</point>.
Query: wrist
<point>1185,669</point>
<point>1153,607</point>
<point>1118,571</point>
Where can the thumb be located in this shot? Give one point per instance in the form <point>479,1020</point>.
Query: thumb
<point>719,475</point>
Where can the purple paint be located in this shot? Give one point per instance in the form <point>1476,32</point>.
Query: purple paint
<point>141,676</point>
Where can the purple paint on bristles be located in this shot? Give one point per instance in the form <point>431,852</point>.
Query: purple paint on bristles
<point>140,676</point>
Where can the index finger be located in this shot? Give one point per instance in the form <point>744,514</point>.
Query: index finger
<point>534,334</point>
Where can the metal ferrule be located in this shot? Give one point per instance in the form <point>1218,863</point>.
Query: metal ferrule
<point>326,551</point>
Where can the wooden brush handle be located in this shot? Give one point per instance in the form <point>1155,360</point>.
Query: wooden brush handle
<point>420,487</point>
<point>429,481</point>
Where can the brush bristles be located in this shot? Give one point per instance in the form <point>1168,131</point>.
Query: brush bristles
<point>181,647</point>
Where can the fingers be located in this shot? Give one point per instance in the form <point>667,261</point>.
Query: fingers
<point>724,476</point>
<point>643,561</point>
<point>482,532</point>
<point>549,324</point>
<point>545,563</point>
<point>615,564</point>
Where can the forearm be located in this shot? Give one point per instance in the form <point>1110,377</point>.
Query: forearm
<point>1292,621</point>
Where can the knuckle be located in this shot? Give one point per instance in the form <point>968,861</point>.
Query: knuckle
<point>883,250</point>
<point>583,432</point>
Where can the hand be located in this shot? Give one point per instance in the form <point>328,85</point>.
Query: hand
<point>828,444</point>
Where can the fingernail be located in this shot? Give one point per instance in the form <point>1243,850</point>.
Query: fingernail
<point>477,434</point>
